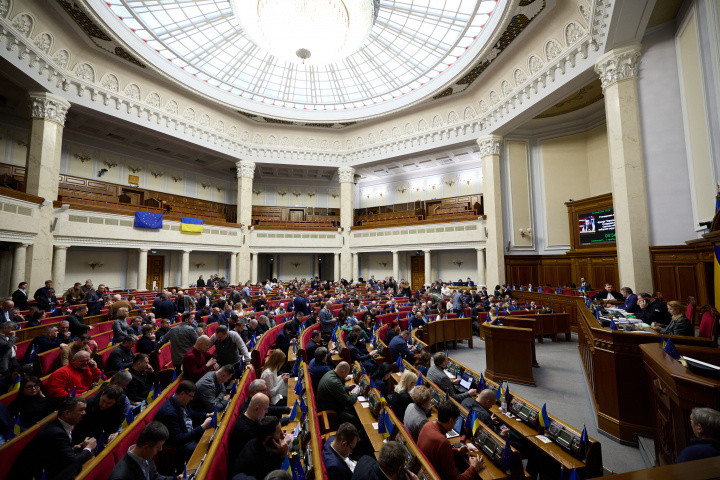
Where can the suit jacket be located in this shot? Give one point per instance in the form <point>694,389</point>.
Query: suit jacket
<point>6,346</point>
<point>77,327</point>
<point>20,299</point>
<point>336,467</point>
<point>51,451</point>
<point>681,326</point>
<point>367,468</point>
<point>129,469</point>
<point>300,306</point>
<point>165,309</point>
<point>398,346</point>
<point>602,295</point>
<point>439,378</point>
<point>171,415</point>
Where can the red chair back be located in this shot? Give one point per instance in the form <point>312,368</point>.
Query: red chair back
<point>690,313</point>
<point>707,324</point>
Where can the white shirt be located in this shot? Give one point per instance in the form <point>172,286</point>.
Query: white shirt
<point>610,296</point>
<point>350,463</point>
<point>276,385</point>
<point>68,428</point>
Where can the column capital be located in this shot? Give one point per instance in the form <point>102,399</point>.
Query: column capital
<point>394,252</point>
<point>346,174</point>
<point>24,245</point>
<point>426,250</point>
<point>143,250</point>
<point>186,250</point>
<point>480,249</point>
<point>61,247</point>
<point>245,168</point>
<point>618,64</point>
<point>46,106</point>
<point>490,145</point>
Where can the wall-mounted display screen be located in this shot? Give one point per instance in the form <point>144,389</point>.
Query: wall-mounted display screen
<point>597,227</point>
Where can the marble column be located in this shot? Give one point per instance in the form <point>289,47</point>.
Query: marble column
<point>355,266</point>
<point>185,269</point>
<point>347,205</point>
<point>618,71</point>
<point>396,265</point>
<point>428,267</point>
<point>245,174</point>
<point>254,269</point>
<point>233,268</point>
<point>490,147</point>
<point>142,269</point>
<point>58,269</point>
<point>19,262</point>
<point>275,267</point>
<point>336,267</point>
<point>316,265</point>
<point>42,167</point>
<point>481,275</point>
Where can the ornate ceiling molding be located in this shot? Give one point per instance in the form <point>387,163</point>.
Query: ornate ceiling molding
<point>78,85</point>
<point>618,64</point>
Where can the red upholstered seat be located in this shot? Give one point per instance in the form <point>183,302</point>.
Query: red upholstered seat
<point>49,361</point>
<point>690,313</point>
<point>707,325</point>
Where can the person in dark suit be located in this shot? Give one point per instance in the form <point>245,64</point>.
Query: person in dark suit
<point>357,355</point>
<point>631,300</point>
<point>264,453</point>
<point>705,423</point>
<point>481,405</point>
<point>652,310</point>
<point>44,342</point>
<point>177,417</point>
<point>42,292</point>
<point>51,450</point>
<point>77,327</point>
<point>336,452</point>
<point>389,465</point>
<point>584,285</point>
<point>20,296</point>
<point>608,294</point>
<point>137,463</point>
<point>165,308</point>
<point>300,305</point>
<point>284,338</point>
<point>103,416</point>
<point>679,324</point>
<point>122,356</point>
<point>398,346</point>
<point>313,344</point>
<point>246,426</point>
<point>200,282</point>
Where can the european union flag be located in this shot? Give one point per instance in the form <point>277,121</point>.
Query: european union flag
<point>447,395</point>
<point>148,220</point>
<point>470,419</point>
<point>574,475</point>
<point>73,393</point>
<point>498,392</point>
<point>481,384</point>
<point>100,444</point>
<point>583,440</point>
<point>381,423</point>
<point>507,455</point>
<point>299,388</point>
<point>297,470</point>
<point>671,350</point>
<point>399,363</point>
<point>214,421</point>
<point>613,326</point>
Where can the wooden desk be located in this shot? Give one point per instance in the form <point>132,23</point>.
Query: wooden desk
<point>448,330</point>
<point>549,324</point>
<point>675,392</point>
<point>706,469</point>
<point>509,353</point>
<point>613,365</point>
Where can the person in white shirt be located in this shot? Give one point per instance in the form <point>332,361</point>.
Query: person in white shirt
<point>277,384</point>
<point>336,452</point>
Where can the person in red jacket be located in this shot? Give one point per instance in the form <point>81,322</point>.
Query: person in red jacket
<point>197,361</point>
<point>79,375</point>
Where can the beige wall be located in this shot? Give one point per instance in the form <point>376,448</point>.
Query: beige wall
<point>518,166</point>
<point>573,166</point>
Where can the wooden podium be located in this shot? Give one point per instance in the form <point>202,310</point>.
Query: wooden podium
<point>448,330</point>
<point>509,353</point>
<point>676,391</point>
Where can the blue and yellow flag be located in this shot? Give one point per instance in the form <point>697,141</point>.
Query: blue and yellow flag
<point>481,383</point>
<point>584,440</point>
<point>399,363</point>
<point>716,262</point>
<point>420,380</point>
<point>544,419</point>
<point>191,225</point>
<point>296,413</point>
<point>286,465</point>
<point>16,385</point>
<point>151,394</point>
<point>214,421</point>
<point>381,423</point>
<point>299,388</point>
<point>128,420</point>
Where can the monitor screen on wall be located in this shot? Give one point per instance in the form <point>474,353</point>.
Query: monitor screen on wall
<point>597,227</point>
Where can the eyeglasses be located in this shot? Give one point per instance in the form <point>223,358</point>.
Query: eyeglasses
<point>32,386</point>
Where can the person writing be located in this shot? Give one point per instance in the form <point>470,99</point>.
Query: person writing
<point>679,324</point>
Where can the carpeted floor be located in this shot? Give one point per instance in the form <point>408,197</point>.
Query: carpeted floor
<point>561,384</point>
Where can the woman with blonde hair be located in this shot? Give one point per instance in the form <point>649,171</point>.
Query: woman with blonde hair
<point>276,382</point>
<point>679,324</point>
<point>400,399</point>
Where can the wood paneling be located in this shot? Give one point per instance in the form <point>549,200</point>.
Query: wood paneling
<point>155,272</point>
<point>680,271</point>
<point>417,271</point>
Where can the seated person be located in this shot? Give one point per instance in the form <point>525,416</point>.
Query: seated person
<point>705,423</point>
<point>417,413</point>
<point>211,393</point>
<point>258,386</point>
<point>84,342</point>
<point>400,398</point>
<point>332,394</point>
<point>51,452</point>
<point>481,405</point>
<point>142,379</point>
<point>652,310</point>
<point>284,338</point>
<point>122,356</point>
<point>48,340</point>
<point>246,426</point>
<point>319,366</point>
<point>314,343</point>
<point>357,355</point>
<point>77,377</point>
<point>399,346</point>
<point>437,375</point>
<point>608,295</point>
<point>679,324</point>
<point>391,464</point>
<point>631,300</point>
<point>439,452</point>
<point>138,462</point>
<point>31,405</point>
<point>336,452</point>
<point>147,343</point>
<point>164,328</point>
<point>392,331</point>
<point>423,362</point>
<point>417,321</point>
<point>198,361</point>
<point>381,377</point>
<point>103,417</point>
<point>186,426</point>
<point>264,453</point>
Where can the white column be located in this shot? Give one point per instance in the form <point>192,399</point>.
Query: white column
<point>396,265</point>
<point>480,267</point>
<point>428,267</point>
<point>254,269</point>
<point>19,261</point>
<point>58,268</point>
<point>42,167</point>
<point>490,147</point>
<point>618,70</point>
<point>336,267</point>
<point>275,267</point>
<point>245,173</point>
<point>233,268</point>
<point>346,176</point>
<point>355,266</point>
<point>185,269</point>
<point>316,265</point>
<point>142,269</point>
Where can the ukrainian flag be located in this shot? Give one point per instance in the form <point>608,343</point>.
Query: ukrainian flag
<point>296,413</point>
<point>191,225</point>
<point>286,465</point>
<point>716,262</point>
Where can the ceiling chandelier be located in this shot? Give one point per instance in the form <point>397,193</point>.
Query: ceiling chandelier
<point>316,32</point>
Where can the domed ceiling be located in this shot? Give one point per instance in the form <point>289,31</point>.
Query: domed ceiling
<point>310,61</point>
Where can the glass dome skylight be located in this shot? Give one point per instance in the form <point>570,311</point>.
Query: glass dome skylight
<point>413,49</point>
